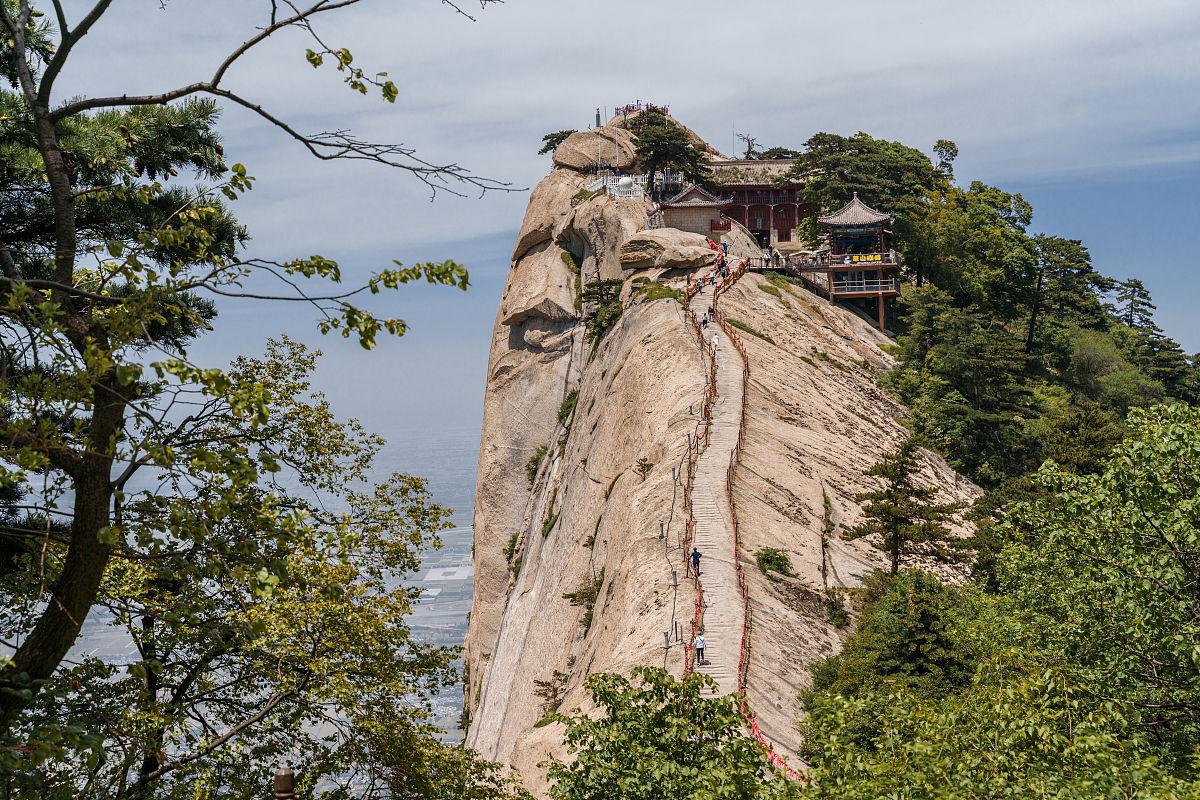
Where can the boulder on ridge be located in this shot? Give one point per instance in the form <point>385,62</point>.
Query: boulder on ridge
<point>581,150</point>
<point>666,247</point>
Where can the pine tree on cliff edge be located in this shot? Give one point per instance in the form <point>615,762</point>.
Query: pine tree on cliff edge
<point>902,513</point>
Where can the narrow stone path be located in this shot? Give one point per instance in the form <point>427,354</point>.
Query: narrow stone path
<point>723,620</point>
<point>724,611</point>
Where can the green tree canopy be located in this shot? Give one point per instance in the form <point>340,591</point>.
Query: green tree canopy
<point>775,152</point>
<point>282,620</point>
<point>905,636</point>
<point>551,141</point>
<point>220,517</point>
<point>663,143</point>
<point>1085,679</point>
<point>1134,306</point>
<point>661,737</point>
<point>887,175</point>
<point>1018,732</point>
<point>1107,574</point>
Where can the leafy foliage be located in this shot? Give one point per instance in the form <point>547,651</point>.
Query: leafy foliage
<point>551,141</point>
<point>886,175</point>
<point>772,559</point>
<point>662,143</point>
<point>1076,680</point>
<point>567,408</point>
<point>551,691</point>
<point>659,737</point>
<point>535,463</point>
<point>1015,335</point>
<point>742,326</point>
<point>605,297</point>
<point>775,152</point>
<point>550,521</point>
<point>652,290</point>
<point>220,519</point>
<point>1018,732</point>
<point>905,638</point>
<point>643,467</point>
<point>1107,572</point>
<point>585,596</point>
<point>216,589</point>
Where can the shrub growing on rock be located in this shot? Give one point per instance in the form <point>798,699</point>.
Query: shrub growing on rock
<point>772,559</point>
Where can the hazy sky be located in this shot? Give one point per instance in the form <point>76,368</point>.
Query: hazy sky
<point>1088,108</point>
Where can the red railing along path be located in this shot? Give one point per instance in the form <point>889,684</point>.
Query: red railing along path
<point>697,447</point>
<point>744,651</point>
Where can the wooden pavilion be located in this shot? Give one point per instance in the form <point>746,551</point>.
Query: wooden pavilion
<point>861,264</point>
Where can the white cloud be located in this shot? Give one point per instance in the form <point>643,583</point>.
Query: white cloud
<point>1026,88</point>
<point>1031,90</point>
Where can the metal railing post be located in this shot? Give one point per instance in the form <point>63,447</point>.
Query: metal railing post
<point>284,784</point>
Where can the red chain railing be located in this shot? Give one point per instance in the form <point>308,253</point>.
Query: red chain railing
<point>744,651</point>
<point>697,447</point>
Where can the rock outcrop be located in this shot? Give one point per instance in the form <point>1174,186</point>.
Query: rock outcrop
<point>582,461</point>
<point>542,286</point>
<point>816,421</point>
<point>581,150</point>
<point>545,209</point>
<point>666,248</point>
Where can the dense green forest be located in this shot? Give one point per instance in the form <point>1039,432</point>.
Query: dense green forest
<point>1070,667</point>
<point>1013,351</point>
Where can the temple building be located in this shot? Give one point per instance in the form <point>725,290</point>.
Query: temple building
<point>861,267</point>
<point>695,210</point>
<point>759,200</point>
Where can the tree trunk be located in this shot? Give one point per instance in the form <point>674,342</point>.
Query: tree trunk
<point>1034,310</point>
<point>71,597</point>
<point>62,194</point>
<point>152,747</point>
<point>75,590</point>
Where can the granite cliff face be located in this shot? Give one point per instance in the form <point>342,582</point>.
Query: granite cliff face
<point>584,457</point>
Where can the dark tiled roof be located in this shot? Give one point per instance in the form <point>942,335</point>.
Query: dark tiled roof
<point>856,212</point>
<point>742,172</point>
<point>699,199</point>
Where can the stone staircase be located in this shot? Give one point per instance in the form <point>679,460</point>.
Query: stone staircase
<point>724,611</point>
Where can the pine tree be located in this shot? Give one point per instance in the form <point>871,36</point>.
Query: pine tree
<point>551,141</point>
<point>662,143</point>
<point>902,513</point>
<point>1134,306</point>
